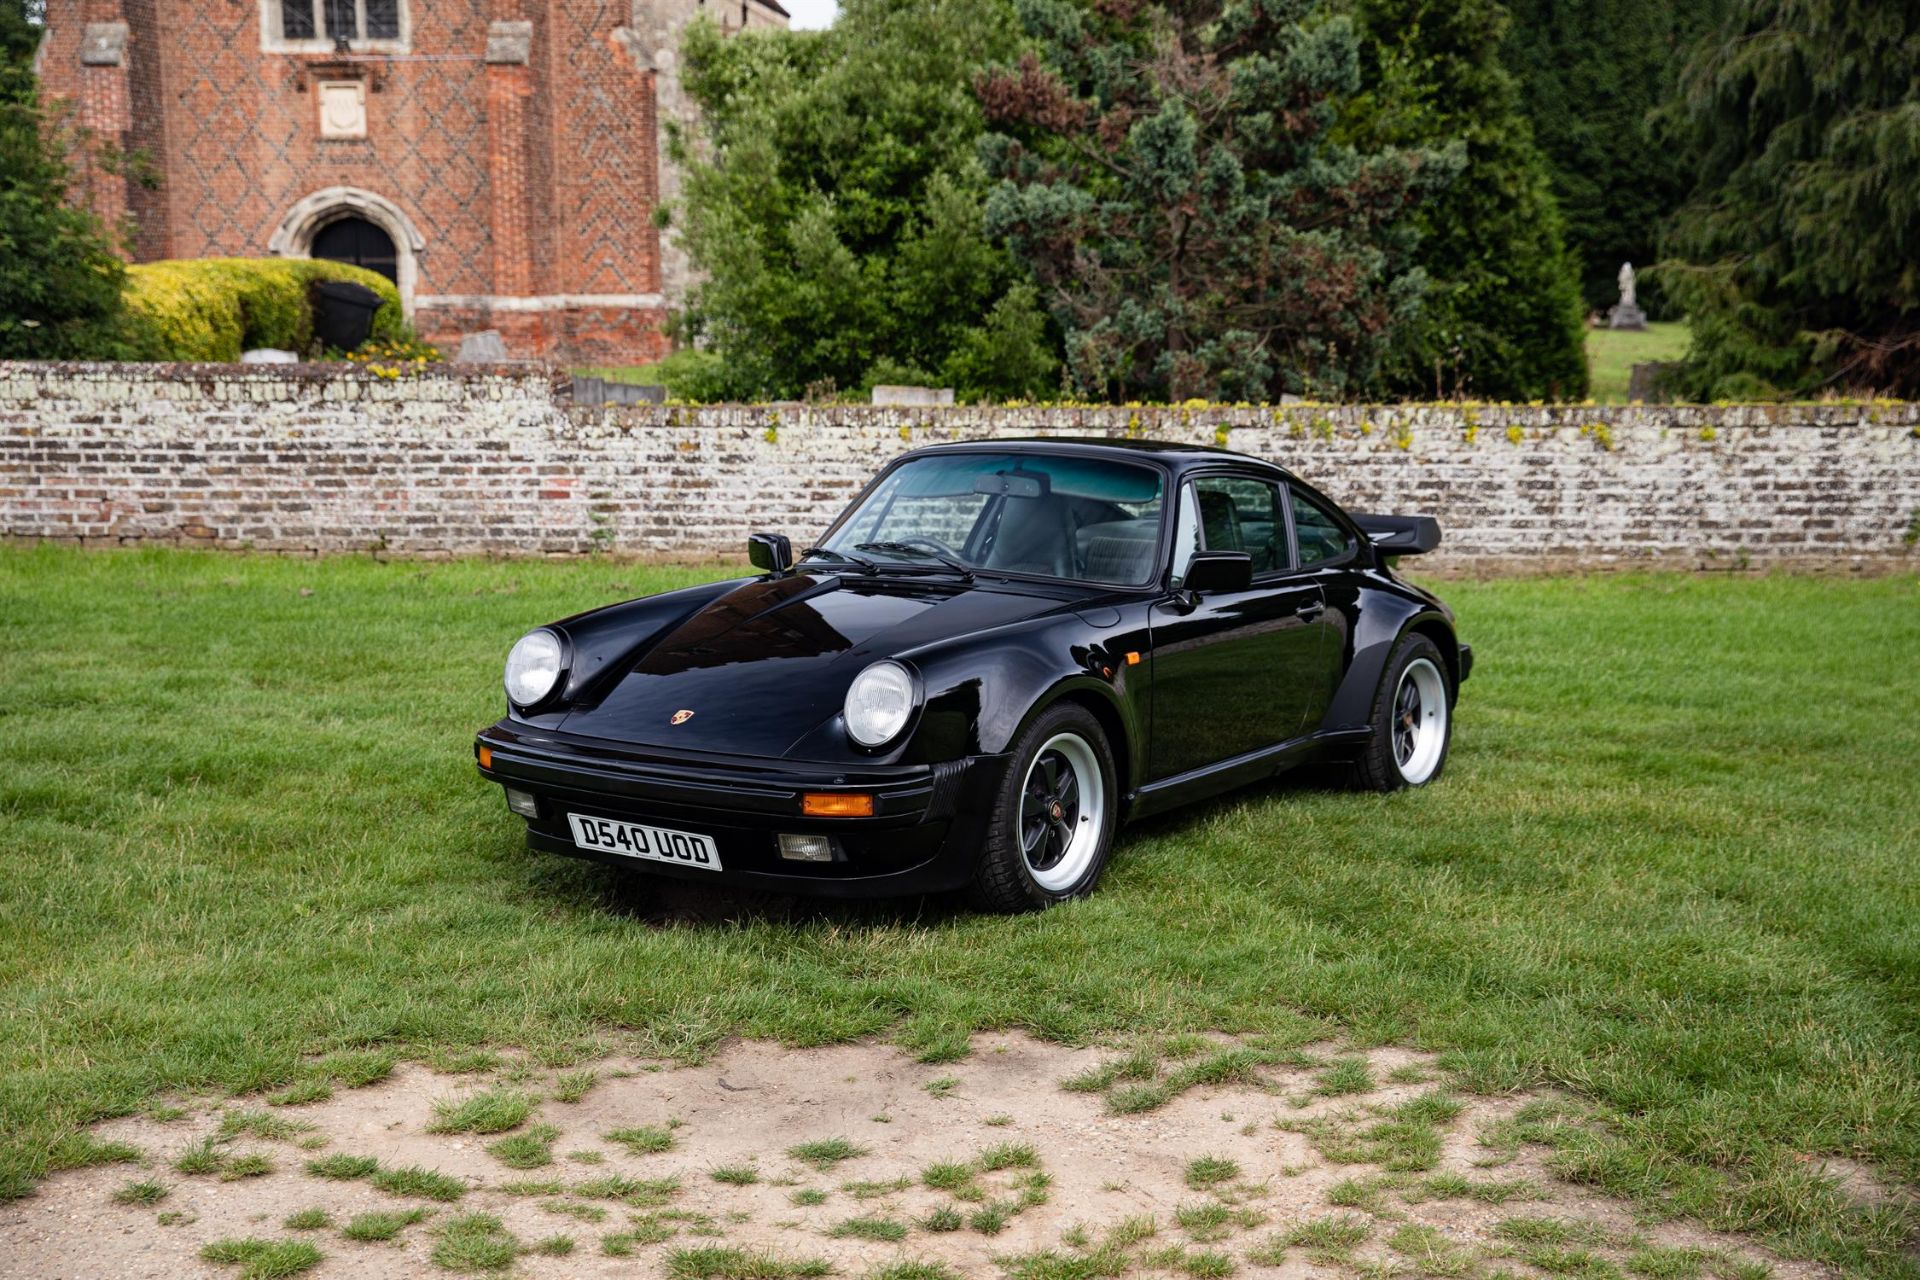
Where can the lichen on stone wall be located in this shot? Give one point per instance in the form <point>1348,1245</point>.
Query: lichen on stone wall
<point>497,460</point>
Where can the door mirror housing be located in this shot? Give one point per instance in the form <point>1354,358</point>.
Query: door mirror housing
<point>1219,571</point>
<point>771,552</point>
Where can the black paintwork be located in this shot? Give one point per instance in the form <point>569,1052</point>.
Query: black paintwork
<point>1229,686</point>
<point>1400,535</point>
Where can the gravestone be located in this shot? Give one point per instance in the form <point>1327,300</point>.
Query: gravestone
<point>599,391</point>
<point>484,347</point>
<point>1626,313</point>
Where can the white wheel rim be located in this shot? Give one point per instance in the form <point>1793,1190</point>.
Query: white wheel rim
<point>1419,724</point>
<point>1063,809</point>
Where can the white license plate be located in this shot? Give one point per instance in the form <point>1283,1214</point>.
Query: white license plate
<point>655,844</point>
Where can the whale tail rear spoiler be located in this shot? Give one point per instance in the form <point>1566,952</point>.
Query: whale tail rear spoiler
<point>1401,535</point>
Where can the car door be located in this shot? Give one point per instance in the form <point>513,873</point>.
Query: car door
<point>1234,672</point>
<point>1325,552</point>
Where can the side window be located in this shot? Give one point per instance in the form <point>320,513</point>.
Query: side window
<point>1321,538</point>
<point>1239,513</point>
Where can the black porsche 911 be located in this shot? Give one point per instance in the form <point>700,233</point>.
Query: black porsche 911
<point>996,654</point>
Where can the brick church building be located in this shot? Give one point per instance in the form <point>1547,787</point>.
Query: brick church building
<point>500,160</point>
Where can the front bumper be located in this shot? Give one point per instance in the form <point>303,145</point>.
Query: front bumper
<point>924,835</point>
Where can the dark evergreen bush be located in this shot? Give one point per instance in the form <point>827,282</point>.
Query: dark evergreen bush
<point>1798,256</point>
<point>1502,317</point>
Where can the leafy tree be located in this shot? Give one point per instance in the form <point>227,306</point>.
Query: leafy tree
<point>60,280</point>
<point>1167,171</point>
<point>1502,317</point>
<point>1591,72</point>
<point>19,34</point>
<point>1798,256</point>
<point>836,207</point>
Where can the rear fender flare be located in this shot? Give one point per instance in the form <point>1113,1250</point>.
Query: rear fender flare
<point>1379,632</point>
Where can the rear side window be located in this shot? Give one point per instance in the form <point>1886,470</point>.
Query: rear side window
<point>1319,535</point>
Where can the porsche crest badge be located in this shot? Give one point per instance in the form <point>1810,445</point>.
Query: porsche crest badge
<point>681,717</point>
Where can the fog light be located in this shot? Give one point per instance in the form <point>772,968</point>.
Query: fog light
<point>524,803</point>
<point>836,804</point>
<point>807,848</point>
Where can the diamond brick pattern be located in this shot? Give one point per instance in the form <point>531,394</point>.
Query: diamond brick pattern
<point>606,149</point>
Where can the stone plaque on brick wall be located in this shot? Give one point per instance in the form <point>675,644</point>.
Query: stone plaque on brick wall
<point>343,108</point>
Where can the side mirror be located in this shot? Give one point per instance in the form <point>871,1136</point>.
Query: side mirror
<point>1225,571</point>
<point>771,552</point>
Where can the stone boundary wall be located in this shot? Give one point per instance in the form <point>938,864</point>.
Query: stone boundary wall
<point>499,460</point>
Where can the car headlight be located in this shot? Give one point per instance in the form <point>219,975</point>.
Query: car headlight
<point>534,666</point>
<point>878,703</point>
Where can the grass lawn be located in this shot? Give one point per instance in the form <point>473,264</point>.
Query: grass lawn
<point>1672,868</point>
<point>1612,353</point>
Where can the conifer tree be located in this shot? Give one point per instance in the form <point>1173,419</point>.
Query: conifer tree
<point>1798,256</point>
<point>1168,173</point>
<point>60,280</point>
<point>1591,73</point>
<point>1502,318</point>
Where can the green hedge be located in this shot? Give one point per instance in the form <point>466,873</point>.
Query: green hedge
<point>212,309</point>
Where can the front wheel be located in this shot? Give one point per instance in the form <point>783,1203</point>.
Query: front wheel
<point>1412,719</point>
<point>1054,815</point>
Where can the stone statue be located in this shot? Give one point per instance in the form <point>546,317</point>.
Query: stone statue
<point>1626,313</point>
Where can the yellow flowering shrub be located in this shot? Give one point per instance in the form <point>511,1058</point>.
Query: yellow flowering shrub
<point>212,309</point>
<point>389,358</point>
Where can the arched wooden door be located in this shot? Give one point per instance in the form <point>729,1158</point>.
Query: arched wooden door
<point>357,241</point>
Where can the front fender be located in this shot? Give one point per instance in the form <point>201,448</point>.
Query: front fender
<point>979,692</point>
<point>979,703</point>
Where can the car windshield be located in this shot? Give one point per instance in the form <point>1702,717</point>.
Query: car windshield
<point>1087,519</point>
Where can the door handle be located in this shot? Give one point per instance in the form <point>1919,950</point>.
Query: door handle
<point>1308,612</point>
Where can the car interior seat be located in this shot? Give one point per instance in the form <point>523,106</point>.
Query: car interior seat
<point>1220,521</point>
<point>1035,536</point>
<point>1122,556</point>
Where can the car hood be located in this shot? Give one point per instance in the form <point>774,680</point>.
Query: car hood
<point>760,667</point>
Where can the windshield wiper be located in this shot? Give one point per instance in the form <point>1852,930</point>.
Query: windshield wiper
<point>861,562</point>
<point>915,549</point>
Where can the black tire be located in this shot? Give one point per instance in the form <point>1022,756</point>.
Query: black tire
<point>1004,880</point>
<point>1379,767</point>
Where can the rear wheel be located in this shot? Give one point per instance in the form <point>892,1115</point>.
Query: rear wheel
<point>1054,815</point>
<point>1412,719</point>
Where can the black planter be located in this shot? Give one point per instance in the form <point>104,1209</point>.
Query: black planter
<point>342,313</point>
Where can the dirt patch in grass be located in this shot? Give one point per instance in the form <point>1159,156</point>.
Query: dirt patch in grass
<point>1007,1174</point>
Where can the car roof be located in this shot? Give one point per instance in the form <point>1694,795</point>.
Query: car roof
<point>1180,457</point>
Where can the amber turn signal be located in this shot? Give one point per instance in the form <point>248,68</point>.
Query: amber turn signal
<point>486,757</point>
<point>836,804</point>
